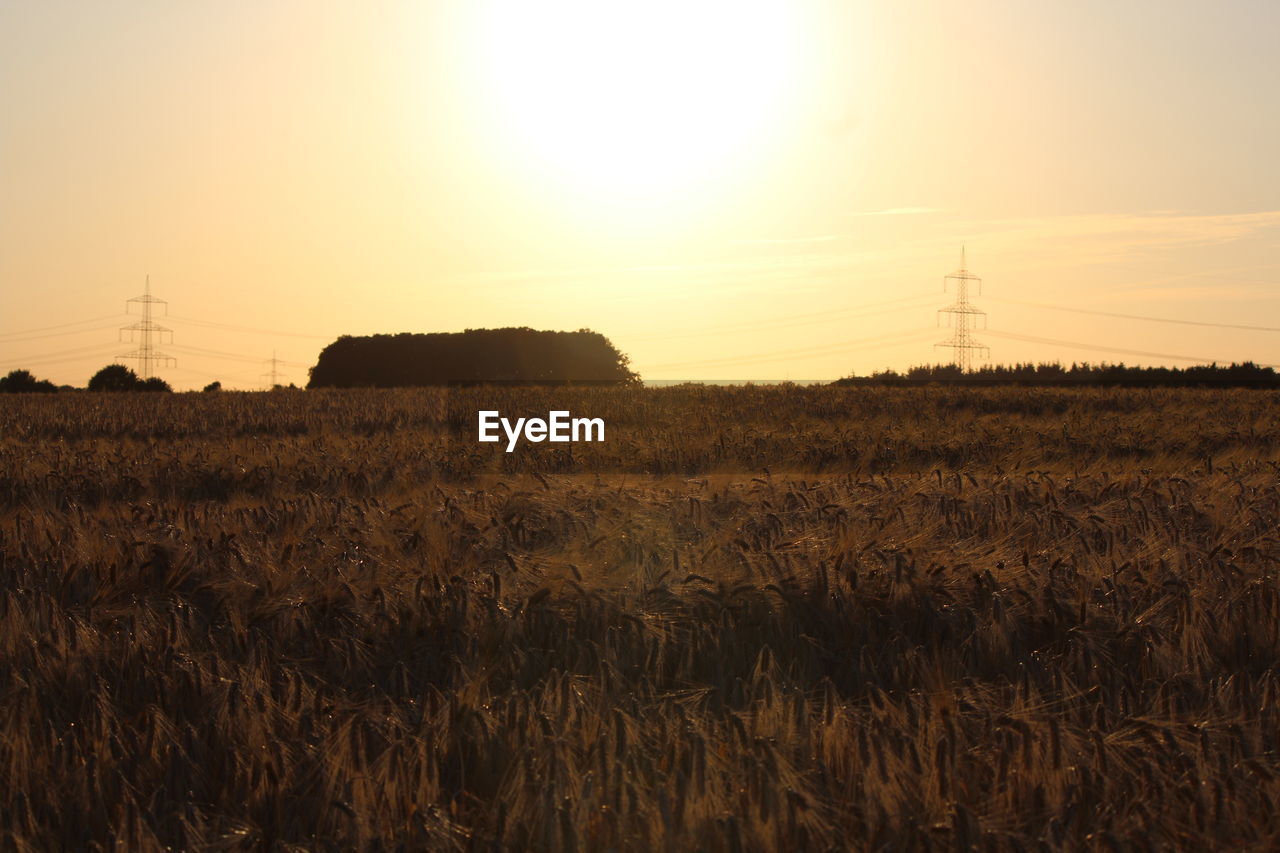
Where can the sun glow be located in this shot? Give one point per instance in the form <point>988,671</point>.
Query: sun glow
<point>639,99</point>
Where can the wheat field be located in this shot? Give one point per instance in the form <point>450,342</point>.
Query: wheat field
<point>752,618</point>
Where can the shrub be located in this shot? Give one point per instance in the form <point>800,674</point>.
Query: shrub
<point>22,382</point>
<point>117,377</point>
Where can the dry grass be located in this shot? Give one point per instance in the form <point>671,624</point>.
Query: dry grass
<point>753,619</point>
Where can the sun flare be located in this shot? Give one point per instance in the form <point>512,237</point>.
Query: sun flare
<point>652,99</point>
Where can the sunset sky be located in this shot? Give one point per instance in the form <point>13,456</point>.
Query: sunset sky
<point>726,189</point>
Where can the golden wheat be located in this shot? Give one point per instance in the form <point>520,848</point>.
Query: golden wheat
<point>753,619</point>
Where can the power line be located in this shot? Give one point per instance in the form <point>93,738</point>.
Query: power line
<point>803,352</point>
<point>58,334</point>
<point>25,332</point>
<point>208,353</point>
<point>962,312</point>
<point>73,354</point>
<point>1139,316</point>
<point>232,356</point>
<point>809,318</point>
<point>1013,336</point>
<point>219,376</point>
<point>209,324</point>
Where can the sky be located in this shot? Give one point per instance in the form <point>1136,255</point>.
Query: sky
<point>750,189</point>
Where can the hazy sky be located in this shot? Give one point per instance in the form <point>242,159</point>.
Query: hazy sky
<point>738,189</point>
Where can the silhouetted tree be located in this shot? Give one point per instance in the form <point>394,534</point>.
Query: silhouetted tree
<point>114,377</point>
<point>22,382</point>
<point>476,355</point>
<point>215,385</point>
<point>117,377</point>
<point>1246,374</point>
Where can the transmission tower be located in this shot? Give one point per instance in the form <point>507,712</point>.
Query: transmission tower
<point>148,332</point>
<point>962,317</point>
<point>274,373</point>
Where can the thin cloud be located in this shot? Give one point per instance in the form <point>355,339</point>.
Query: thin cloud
<point>773,241</point>
<point>1188,293</point>
<point>899,211</point>
<point>817,262</point>
<point>1130,231</point>
<point>830,238</point>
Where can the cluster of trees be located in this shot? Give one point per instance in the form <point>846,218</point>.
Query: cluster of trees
<point>475,356</point>
<point>113,377</point>
<point>22,382</point>
<point>117,377</point>
<point>1244,375</point>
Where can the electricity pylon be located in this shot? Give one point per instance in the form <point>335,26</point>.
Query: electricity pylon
<point>274,373</point>
<point>961,317</point>
<point>146,354</point>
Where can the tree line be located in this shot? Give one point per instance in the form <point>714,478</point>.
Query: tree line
<point>113,377</point>
<point>1243,375</point>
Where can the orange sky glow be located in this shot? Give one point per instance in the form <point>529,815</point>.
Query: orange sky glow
<point>754,189</point>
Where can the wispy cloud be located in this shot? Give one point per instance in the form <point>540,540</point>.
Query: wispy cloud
<point>817,263</point>
<point>899,211</point>
<point>771,241</point>
<point>831,238</point>
<point>1142,258</point>
<point>1127,232</point>
<point>1189,293</point>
